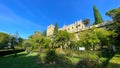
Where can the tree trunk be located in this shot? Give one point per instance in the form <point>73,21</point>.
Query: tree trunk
<point>61,47</point>
<point>15,54</point>
<point>93,48</point>
<point>39,50</point>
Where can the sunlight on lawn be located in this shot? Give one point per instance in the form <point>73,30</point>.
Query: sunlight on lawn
<point>23,60</point>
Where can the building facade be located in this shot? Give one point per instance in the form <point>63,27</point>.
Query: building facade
<point>50,30</point>
<point>72,28</point>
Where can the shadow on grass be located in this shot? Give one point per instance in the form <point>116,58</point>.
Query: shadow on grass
<point>22,60</point>
<point>113,65</point>
<point>114,62</point>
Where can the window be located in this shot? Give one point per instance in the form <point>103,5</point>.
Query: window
<point>76,26</point>
<point>68,28</point>
<point>79,25</point>
<point>72,27</point>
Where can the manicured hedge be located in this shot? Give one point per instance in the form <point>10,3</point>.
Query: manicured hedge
<point>7,52</point>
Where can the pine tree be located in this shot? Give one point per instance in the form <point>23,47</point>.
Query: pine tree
<point>97,16</point>
<point>56,28</point>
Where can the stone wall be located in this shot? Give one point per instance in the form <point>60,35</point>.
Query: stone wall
<point>50,30</point>
<point>72,28</point>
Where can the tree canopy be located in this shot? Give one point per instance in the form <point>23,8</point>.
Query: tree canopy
<point>89,39</point>
<point>115,15</point>
<point>63,38</point>
<point>86,21</point>
<point>4,39</point>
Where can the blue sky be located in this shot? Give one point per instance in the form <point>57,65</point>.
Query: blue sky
<point>27,16</point>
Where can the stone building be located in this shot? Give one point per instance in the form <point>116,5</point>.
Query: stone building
<point>50,30</point>
<point>72,28</point>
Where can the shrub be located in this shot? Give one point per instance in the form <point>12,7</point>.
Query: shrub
<point>50,56</point>
<point>88,63</point>
<point>114,62</point>
<point>107,53</point>
<point>104,61</point>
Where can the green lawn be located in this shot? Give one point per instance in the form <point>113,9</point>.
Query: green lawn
<point>114,62</point>
<point>62,62</point>
<point>22,60</point>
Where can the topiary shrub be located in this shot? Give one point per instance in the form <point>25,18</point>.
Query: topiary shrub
<point>50,56</point>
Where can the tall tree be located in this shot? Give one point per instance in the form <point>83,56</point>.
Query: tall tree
<point>115,15</point>
<point>86,22</point>
<point>97,16</point>
<point>56,28</point>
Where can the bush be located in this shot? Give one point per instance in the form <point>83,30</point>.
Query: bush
<point>107,53</point>
<point>88,63</point>
<point>50,56</point>
<point>104,61</point>
<point>114,62</point>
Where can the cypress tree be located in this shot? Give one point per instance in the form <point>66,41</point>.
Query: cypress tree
<point>97,16</point>
<point>56,28</point>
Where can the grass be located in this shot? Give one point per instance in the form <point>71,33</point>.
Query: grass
<point>23,60</point>
<point>61,62</point>
<point>114,62</point>
<point>74,60</point>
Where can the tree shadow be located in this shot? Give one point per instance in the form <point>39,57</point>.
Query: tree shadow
<point>113,65</point>
<point>23,60</point>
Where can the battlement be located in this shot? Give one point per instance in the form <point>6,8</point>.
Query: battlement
<point>72,28</point>
<point>76,27</point>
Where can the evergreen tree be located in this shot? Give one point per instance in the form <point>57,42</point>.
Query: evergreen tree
<point>56,28</point>
<point>97,16</point>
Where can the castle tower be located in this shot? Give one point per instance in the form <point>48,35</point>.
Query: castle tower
<point>50,30</point>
